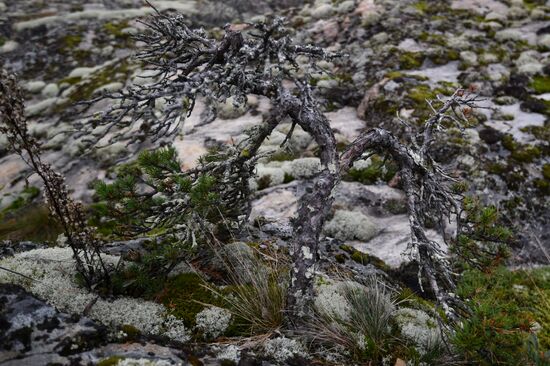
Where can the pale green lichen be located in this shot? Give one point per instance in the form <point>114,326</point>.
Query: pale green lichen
<point>54,277</point>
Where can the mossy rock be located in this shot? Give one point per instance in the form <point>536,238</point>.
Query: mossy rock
<point>132,332</point>
<point>84,89</point>
<point>411,60</point>
<point>185,296</point>
<point>541,84</point>
<point>364,258</point>
<point>110,361</point>
<point>115,29</point>
<point>377,170</point>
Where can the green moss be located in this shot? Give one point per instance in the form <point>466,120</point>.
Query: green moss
<point>541,84</point>
<point>288,178</point>
<point>414,301</point>
<point>395,206</point>
<point>505,305</point>
<point>283,156</point>
<point>460,187</point>
<point>185,296</point>
<point>526,154</point>
<point>509,143</point>
<point>2,41</point>
<point>115,29</point>
<point>423,6</point>
<point>497,168</point>
<point>421,93</point>
<point>27,195</point>
<point>394,75</point>
<point>411,60</point>
<point>540,132</point>
<point>110,361</point>
<point>543,185</point>
<point>70,42</point>
<point>377,170</point>
<point>84,90</point>
<point>131,331</point>
<point>444,55</point>
<point>364,258</point>
<point>340,258</point>
<point>264,182</point>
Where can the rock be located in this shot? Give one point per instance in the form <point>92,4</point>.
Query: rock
<point>420,328</point>
<point>508,35</point>
<point>468,57</point>
<point>9,248</point>
<point>327,83</point>
<point>497,72</point>
<point>346,6</point>
<point>322,11</point>
<point>229,110</point>
<point>252,101</point>
<point>350,225</point>
<point>110,88</point>
<point>144,77</point>
<point>492,16</point>
<point>9,46</point>
<point>488,58</point>
<point>268,176</point>
<point>366,8</point>
<point>40,107</point>
<point>538,14</point>
<point>531,68</point>
<point>544,41</point>
<point>50,90</point>
<point>81,72</point>
<point>381,37</point>
<point>409,45</point>
<point>34,330</point>
<point>130,30</point>
<point>34,86</point>
<point>516,12</point>
<point>303,167</point>
<point>3,7</point>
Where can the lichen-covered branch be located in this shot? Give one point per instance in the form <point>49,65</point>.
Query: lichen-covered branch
<point>426,187</point>
<point>261,59</point>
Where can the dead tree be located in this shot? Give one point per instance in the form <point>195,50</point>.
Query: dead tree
<point>70,214</point>
<point>261,59</point>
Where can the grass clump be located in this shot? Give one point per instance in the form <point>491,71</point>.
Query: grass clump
<point>257,295</point>
<point>29,222</point>
<point>355,318</point>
